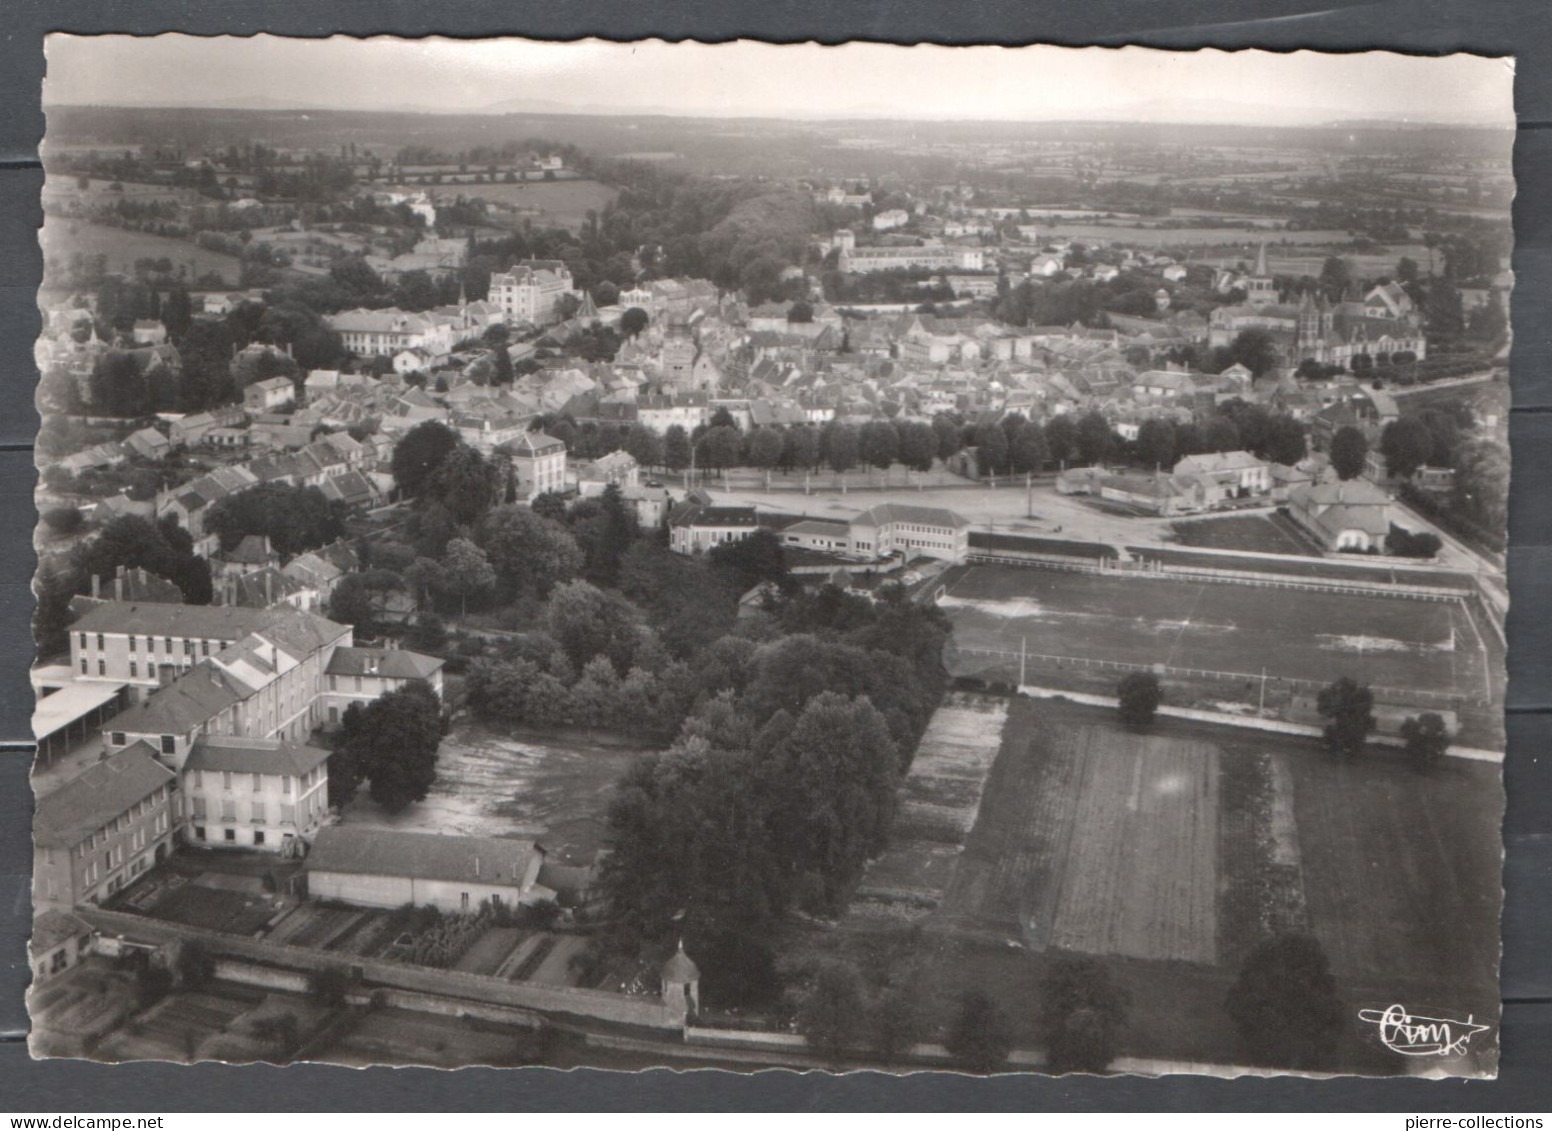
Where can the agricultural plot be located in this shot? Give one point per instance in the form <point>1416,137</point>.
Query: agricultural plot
<point>1098,839</point>
<point>939,801</point>
<point>561,202</point>
<point>1189,843</point>
<point>63,239</point>
<point>1293,634</point>
<point>1243,532</point>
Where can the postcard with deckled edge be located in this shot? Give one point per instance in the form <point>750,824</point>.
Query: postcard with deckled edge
<point>865,557</point>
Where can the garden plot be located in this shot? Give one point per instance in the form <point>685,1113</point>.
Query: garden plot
<point>1095,838</point>
<point>939,801</point>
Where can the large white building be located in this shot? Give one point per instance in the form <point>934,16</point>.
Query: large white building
<point>890,528</point>
<point>385,333</point>
<point>254,792</point>
<point>530,290</point>
<point>859,260</point>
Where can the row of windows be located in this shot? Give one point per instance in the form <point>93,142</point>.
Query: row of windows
<point>150,641</point>
<point>258,811</point>
<point>256,781</point>
<point>124,821</point>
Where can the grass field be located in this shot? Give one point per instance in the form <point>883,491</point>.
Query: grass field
<point>1293,634</point>
<point>565,203</point>
<point>64,238</point>
<point>1243,532</point>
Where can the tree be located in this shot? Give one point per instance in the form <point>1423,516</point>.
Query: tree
<point>831,1014</point>
<point>1156,443</point>
<point>800,311</point>
<point>1350,708</point>
<point>1285,1004</point>
<point>501,371</point>
<point>718,449</point>
<point>206,381</point>
<point>644,446</point>
<point>466,571</point>
<point>1061,436</point>
<point>163,547</point>
<point>1349,451</point>
<point>633,321</point>
<point>676,448</point>
<point>947,434</point>
<point>839,768</point>
<point>1285,440</point>
<point>800,447</point>
<point>1081,1010</point>
<point>1220,434</point>
<point>1427,739</point>
<point>393,742</point>
<point>464,483</point>
<point>879,444</point>
<point>419,454</point>
<point>1140,696</point>
<point>991,450</point>
<point>1406,271</point>
<point>119,387</point>
<point>359,596</point>
<point>63,520</point>
<point>765,447</point>
<point>746,562</point>
<point>1255,350</point>
<point>587,621</point>
<point>1094,439</point>
<point>979,1037</point>
<point>531,554</point>
<point>918,445</point>
<point>1406,444</point>
<point>1481,488</point>
<point>1027,450</point>
<point>294,519</point>
<point>1335,274</point>
<point>177,314</point>
<point>841,446</point>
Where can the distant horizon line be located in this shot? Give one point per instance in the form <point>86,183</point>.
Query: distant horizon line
<point>1395,118</point>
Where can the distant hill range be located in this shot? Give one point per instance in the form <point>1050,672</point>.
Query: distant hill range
<point>1158,112</point>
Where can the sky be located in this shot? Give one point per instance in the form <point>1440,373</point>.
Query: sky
<point>755,79</point>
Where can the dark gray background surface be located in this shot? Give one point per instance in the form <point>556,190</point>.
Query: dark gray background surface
<point>1497,27</point>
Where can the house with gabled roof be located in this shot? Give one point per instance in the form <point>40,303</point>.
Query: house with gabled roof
<point>392,868</point>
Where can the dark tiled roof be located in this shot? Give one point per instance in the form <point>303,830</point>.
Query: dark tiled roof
<point>254,756</point>
<point>97,795</point>
<point>421,856</point>
<point>391,663</point>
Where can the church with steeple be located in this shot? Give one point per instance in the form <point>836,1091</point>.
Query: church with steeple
<point>1380,326</point>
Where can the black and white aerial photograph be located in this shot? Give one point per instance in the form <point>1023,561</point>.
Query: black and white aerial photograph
<point>742,556</point>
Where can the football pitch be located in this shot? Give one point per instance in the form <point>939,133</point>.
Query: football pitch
<point>1290,633</point>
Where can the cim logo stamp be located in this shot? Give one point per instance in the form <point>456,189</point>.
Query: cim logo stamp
<point>1415,1035</point>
